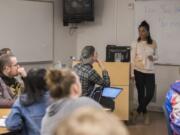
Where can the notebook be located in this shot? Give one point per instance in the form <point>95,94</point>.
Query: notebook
<point>111,92</point>
<point>2,122</point>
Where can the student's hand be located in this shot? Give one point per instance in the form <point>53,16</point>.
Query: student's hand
<point>22,72</point>
<point>150,58</point>
<point>100,64</point>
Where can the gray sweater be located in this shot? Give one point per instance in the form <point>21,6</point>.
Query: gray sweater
<point>60,109</point>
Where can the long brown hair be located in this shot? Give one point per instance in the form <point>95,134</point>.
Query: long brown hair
<point>35,86</point>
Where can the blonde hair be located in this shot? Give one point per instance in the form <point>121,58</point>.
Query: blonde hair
<point>91,121</point>
<point>59,82</point>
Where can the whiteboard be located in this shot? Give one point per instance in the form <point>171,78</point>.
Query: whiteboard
<point>164,20</point>
<point>27,28</point>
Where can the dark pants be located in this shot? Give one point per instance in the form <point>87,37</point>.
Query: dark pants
<point>145,84</point>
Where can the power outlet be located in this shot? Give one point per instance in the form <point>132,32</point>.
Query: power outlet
<point>131,5</point>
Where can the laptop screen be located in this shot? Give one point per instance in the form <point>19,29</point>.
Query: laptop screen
<point>111,92</point>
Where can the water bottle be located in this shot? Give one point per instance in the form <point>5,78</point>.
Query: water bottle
<point>58,64</point>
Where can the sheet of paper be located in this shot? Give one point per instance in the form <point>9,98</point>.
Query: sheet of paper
<point>2,122</point>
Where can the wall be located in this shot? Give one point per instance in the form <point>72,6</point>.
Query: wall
<point>102,31</point>
<point>64,42</point>
<point>114,24</point>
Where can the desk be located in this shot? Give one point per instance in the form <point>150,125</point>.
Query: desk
<point>119,73</point>
<point>4,112</point>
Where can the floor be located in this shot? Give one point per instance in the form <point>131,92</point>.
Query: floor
<point>157,125</point>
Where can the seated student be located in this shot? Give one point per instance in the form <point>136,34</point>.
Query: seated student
<point>9,86</point>
<point>89,77</point>
<point>65,88</point>
<point>90,121</point>
<point>172,105</point>
<point>29,109</point>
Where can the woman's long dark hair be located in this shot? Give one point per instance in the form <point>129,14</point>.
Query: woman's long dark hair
<point>35,87</point>
<point>147,27</point>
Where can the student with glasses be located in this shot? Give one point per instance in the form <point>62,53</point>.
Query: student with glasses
<point>10,87</point>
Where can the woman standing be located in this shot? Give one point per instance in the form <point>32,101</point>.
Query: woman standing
<point>143,55</point>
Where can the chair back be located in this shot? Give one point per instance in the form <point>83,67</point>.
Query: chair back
<point>167,120</point>
<point>96,94</point>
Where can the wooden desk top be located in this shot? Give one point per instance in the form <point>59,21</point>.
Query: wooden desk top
<point>4,112</point>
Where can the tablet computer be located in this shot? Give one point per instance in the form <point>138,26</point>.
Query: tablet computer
<point>111,92</point>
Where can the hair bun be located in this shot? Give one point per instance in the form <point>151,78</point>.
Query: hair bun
<point>145,24</point>
<point>55,76</point>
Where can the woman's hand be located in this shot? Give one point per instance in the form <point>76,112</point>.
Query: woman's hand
<point>150,58</point>
<point>132,78</point>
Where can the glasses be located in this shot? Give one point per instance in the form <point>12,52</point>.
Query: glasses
<point>15,65</point>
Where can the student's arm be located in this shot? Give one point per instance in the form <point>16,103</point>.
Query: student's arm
<point>106,77</point>
<point>14,121</point>
<point>133,53</point>
<point>6,103</point>
<point>5,95</point>
<point>105,80</point>
<point>155,56</point>
<point>97,79</point>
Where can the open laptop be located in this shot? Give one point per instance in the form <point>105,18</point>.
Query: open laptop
<point>111,92</point>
